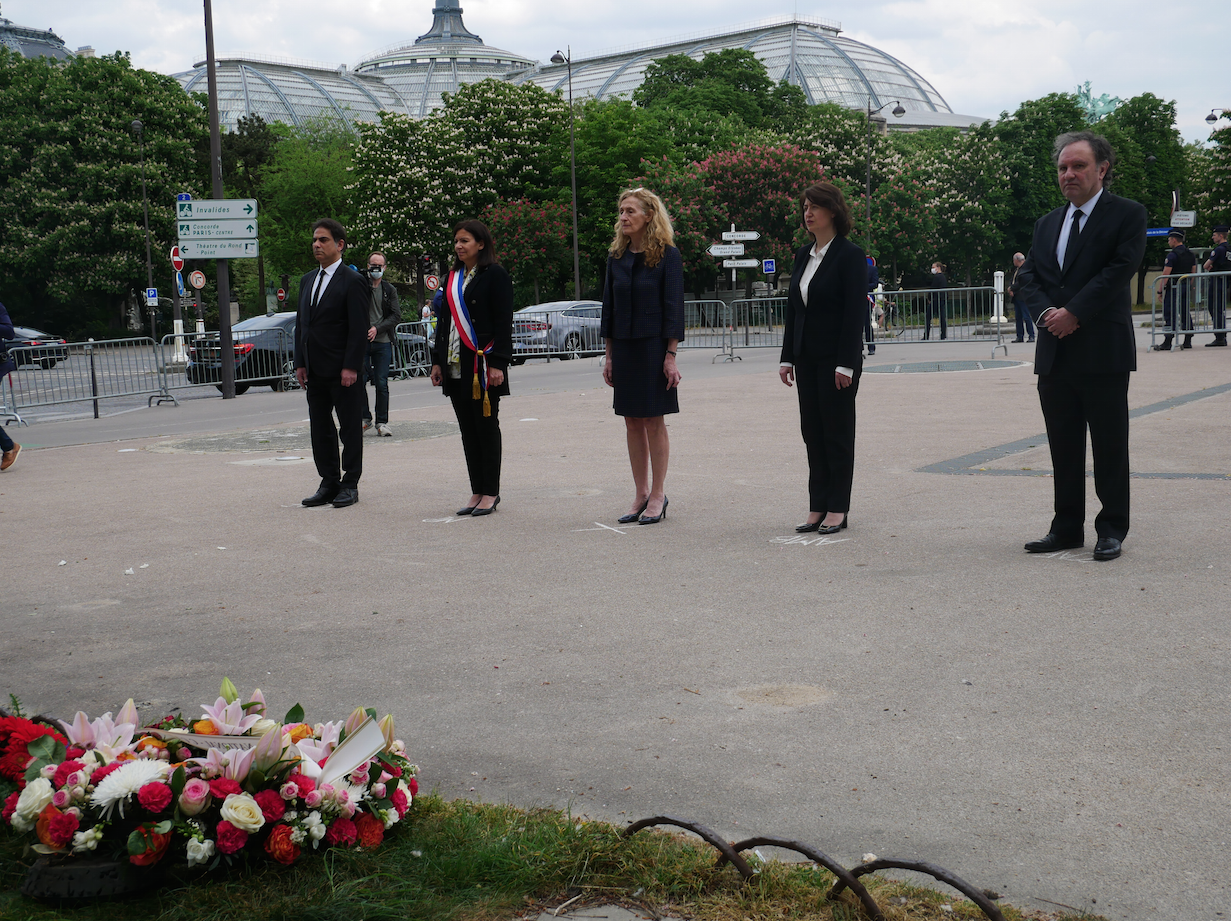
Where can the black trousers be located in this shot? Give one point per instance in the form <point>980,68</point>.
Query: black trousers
<point>326,395</point>
<point>1071,405</point>
<point>827,421</point>
<point>480,442</point>
<point>935,304</point>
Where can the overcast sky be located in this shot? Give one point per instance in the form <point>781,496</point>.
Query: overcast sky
<point>984,56</point>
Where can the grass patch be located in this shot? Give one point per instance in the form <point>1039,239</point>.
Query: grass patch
<point>466,861</point>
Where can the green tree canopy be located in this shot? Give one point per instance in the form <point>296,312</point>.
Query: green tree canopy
<point>72,241</point>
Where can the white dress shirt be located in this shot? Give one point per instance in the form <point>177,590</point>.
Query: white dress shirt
<point>1066,227</point>
<point>814,262</point>
<point>328,272</point>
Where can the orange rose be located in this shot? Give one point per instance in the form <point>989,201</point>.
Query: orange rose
<point>298,732</point>
<point>156,845</point>
<point>43,828</point>
<point>205,728</point>
<point>280,847</point>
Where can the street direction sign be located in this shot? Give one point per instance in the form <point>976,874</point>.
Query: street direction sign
<point>179,281</point>
<point>220,249</point>
<point>281,295</point>
<point>183,196</point>
<point>741,235</point>
<point>197,280</point>
<point>151,297</point>
<point>769,266</point>
<point>1184,219</point>
<point>177,261</point>
<point>216,230</point>
<point>214,209</point>
<point>431,282</point>
<point>1157,231</point>
<point>740,263</point>
<point>725,249</point>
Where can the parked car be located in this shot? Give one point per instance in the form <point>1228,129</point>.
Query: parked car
<point>30,346</point>
<point>559,328</point>
<point>264,354</point>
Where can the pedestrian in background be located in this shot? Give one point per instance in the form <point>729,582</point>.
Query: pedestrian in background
<point>935,302</point>
<point>470,358</point>
<point>1219,261</point>
<point>384,314</point>
<point>9,448</point>
<point>1021,316</point>
<point>642,325</point>
<point>874,279</point>
<point>821,350</point>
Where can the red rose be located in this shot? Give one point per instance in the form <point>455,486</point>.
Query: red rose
<point>399,802</point>
<point>10,805</point>
<point>305,785</point>
<point>97,777</point>
<point>230,838</point>
<point>62,828</point>
<point>272,806</point>
<point>342,832</point>
<point>219,787</point>
<point>280,847</point>
<point>63,771</point>
<point>154,796</point>
<point>369,830</point>
<point>156,844</point>
<point>414,786</point>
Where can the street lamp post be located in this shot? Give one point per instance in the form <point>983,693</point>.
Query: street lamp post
<point>1222,113</point>
<point>898,112</point>
<point>567,59</point>
<point>138,129</point>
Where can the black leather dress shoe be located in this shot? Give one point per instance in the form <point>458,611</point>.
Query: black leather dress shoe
<point>322,496</point>
<point>1107,548</point>
<point>832,528</point>
<point>347,495</point>
<point>1051,543</point>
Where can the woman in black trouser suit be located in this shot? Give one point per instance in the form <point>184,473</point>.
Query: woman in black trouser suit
<point>475,383</point>
<point>822,352</point>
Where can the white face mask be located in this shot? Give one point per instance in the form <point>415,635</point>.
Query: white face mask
<point>376,273</point>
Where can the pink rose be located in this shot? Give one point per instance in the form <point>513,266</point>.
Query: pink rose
<point>195,796</point>
<point>154,796</point>
<point>378,790</point>
<point>60,799</point>
<point>272,807</point>
<point>288,791</point>
<point>313,799</point>
<point>230,838</point>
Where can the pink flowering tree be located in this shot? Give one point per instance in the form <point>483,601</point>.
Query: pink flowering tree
<point>534,243</point>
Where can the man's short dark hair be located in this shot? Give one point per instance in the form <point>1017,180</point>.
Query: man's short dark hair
<point>335,229</point>
<point>1099,144</point>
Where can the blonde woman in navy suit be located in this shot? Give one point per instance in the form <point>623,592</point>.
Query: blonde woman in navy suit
<point>822,351</point>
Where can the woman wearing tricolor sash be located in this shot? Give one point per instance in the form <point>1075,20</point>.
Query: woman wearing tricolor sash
<point>470,357</point>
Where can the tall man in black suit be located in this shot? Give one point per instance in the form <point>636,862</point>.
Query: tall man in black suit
<point>331,337</point>
<point>1076,285</point>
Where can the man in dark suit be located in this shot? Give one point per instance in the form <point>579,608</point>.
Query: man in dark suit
<point>1076,285</point>
<point>1021,316</point>
<point>331,337</point>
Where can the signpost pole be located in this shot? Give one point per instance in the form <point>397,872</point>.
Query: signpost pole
<point>225,346</point>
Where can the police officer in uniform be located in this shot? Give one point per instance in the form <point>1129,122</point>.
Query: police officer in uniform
<point>1180,261</point>
<point>1219,261</point>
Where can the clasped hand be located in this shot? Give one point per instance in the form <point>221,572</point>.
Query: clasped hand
<point>1060,322</point>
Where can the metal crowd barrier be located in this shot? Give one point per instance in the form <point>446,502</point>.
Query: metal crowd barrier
<point>80,372</point>
<point>263,358</point>
<point>412,350</point>
<point>961,314</point>
<point>707,325</point>
<point>1189,305</point>
<point>551,335</point>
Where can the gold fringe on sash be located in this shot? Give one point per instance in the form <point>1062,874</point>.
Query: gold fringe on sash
<point>487,405</point>
<point>474,391</point>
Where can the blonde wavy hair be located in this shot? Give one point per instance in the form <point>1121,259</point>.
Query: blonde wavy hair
<point>658,232</point>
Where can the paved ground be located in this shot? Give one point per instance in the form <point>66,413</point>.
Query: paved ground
<point>1048,727</point>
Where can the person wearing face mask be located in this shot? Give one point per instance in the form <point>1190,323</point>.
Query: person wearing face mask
<point>384,314</point>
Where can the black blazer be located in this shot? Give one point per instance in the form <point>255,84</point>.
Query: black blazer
<point>829,330</point>
<point>489,298</point>
<point>6,332</point>
<point>1094,285</point>
<point>646,305</point>
<point>334,335</point>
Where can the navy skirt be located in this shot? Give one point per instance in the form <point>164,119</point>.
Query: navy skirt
<point>640,385</point>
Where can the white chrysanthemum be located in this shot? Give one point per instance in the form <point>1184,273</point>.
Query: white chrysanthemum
<point>125,781</point>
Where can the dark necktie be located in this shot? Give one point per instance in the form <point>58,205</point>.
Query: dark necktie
<point>320,278</point>
<point>1074,233</point>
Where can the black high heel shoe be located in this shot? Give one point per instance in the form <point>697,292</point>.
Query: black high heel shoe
<point>468,510</point>
<point>832,528</point>
<point>634,516</point>
<point>479,512</point>
<point>808,528</point>
<point>647,519</point>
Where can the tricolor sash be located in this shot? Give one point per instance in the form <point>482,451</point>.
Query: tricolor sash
<point>465,330</point>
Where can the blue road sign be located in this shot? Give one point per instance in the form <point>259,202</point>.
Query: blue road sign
<point>179,283</point>
<point>183,196</point>
<point>151,297</point>
<point>1157,231</point>
<point>769,266</point>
